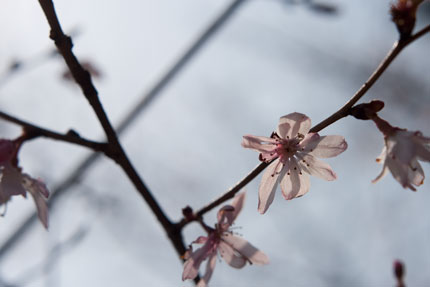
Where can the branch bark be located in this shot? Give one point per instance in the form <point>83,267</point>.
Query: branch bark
<point>70,137</point>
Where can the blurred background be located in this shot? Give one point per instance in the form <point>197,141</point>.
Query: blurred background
<point>267,58</point>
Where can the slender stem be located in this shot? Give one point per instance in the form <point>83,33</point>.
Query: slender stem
<point>70,137</point>
<point>83,79</point>
<point>341,113</point>
<point>392,54</point>
<point>227,195</point>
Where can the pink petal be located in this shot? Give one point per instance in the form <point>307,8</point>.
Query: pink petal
<point>382,174</point>
<point>229,255</point>
<point>11,181</point>
<point>416,173</point>
<point>210,266</point>
<point>294,184</point>
<point>326,146</point>
<point>298,123</point>
<point>258,143</point>
<point>419,136</point>
<point>41,187</point>
<point>38,191</point>
<point>309,141</point>
<point>225,216</point>
<point>246,249</point>
<point>268,184</point>
<point>316,167</point>
<point>305,184</point>
<point>192,265</point>
<point>399,171</point>
<point>423,153</point>
<point>238,202</point>
<point>200,240</point>
<point>401,147</point>
<point>7,150</point>
<point>283,129</point>
<point>4,196</point>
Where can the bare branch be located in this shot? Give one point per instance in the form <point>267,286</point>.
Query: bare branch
<point>70,136</point>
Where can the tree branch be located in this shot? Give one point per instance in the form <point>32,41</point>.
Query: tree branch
<point>147,98</point>
<point>392,54</point>
<point>70,137</point>
<point>83,79</point>
<point>341,113</point>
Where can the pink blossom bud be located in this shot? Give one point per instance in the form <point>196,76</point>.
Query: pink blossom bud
<point>398,269</point>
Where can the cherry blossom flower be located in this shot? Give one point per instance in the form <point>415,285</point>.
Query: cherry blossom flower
<point>235,250</point>
<point>293,154</point>
<point>401,153</point>
<point>14,182</point>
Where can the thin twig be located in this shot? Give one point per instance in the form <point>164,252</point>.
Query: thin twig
<point>341,113</point>
<point>83,79</point>
<point>70,137</point>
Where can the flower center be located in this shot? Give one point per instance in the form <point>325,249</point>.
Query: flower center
<point>286,148</point>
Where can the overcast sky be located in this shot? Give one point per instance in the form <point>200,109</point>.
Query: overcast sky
<point>272,58</point>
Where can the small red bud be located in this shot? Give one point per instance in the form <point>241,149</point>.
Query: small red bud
<point>188,213</point>
<point>398,268</point>
<point>399,272</point>
<point>367,111</point>
<point>376,105</point>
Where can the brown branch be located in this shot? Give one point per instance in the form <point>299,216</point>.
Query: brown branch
<point>83,79</point>
<point>392,54</point>
<point>341,113</point>
<point>70,137</point>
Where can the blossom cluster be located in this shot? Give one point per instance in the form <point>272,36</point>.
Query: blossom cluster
<point>292,154</point>
<point>235,250</point>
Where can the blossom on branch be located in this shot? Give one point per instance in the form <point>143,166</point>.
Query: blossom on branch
<point>235,250</point>
<point>293,154</point>
<point>401,153</point>
<point>14,182</point>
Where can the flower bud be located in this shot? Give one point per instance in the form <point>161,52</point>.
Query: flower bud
<point>188,213</point>
<point>367,111</point>
<point>399,272</point>
<point>403,14</point>
<point>398,269</point>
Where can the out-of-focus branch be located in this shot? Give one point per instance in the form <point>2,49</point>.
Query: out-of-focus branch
<point>20,65</point>
<point>34,131</point>
<point>54,254</point>
<point>341,113</point>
